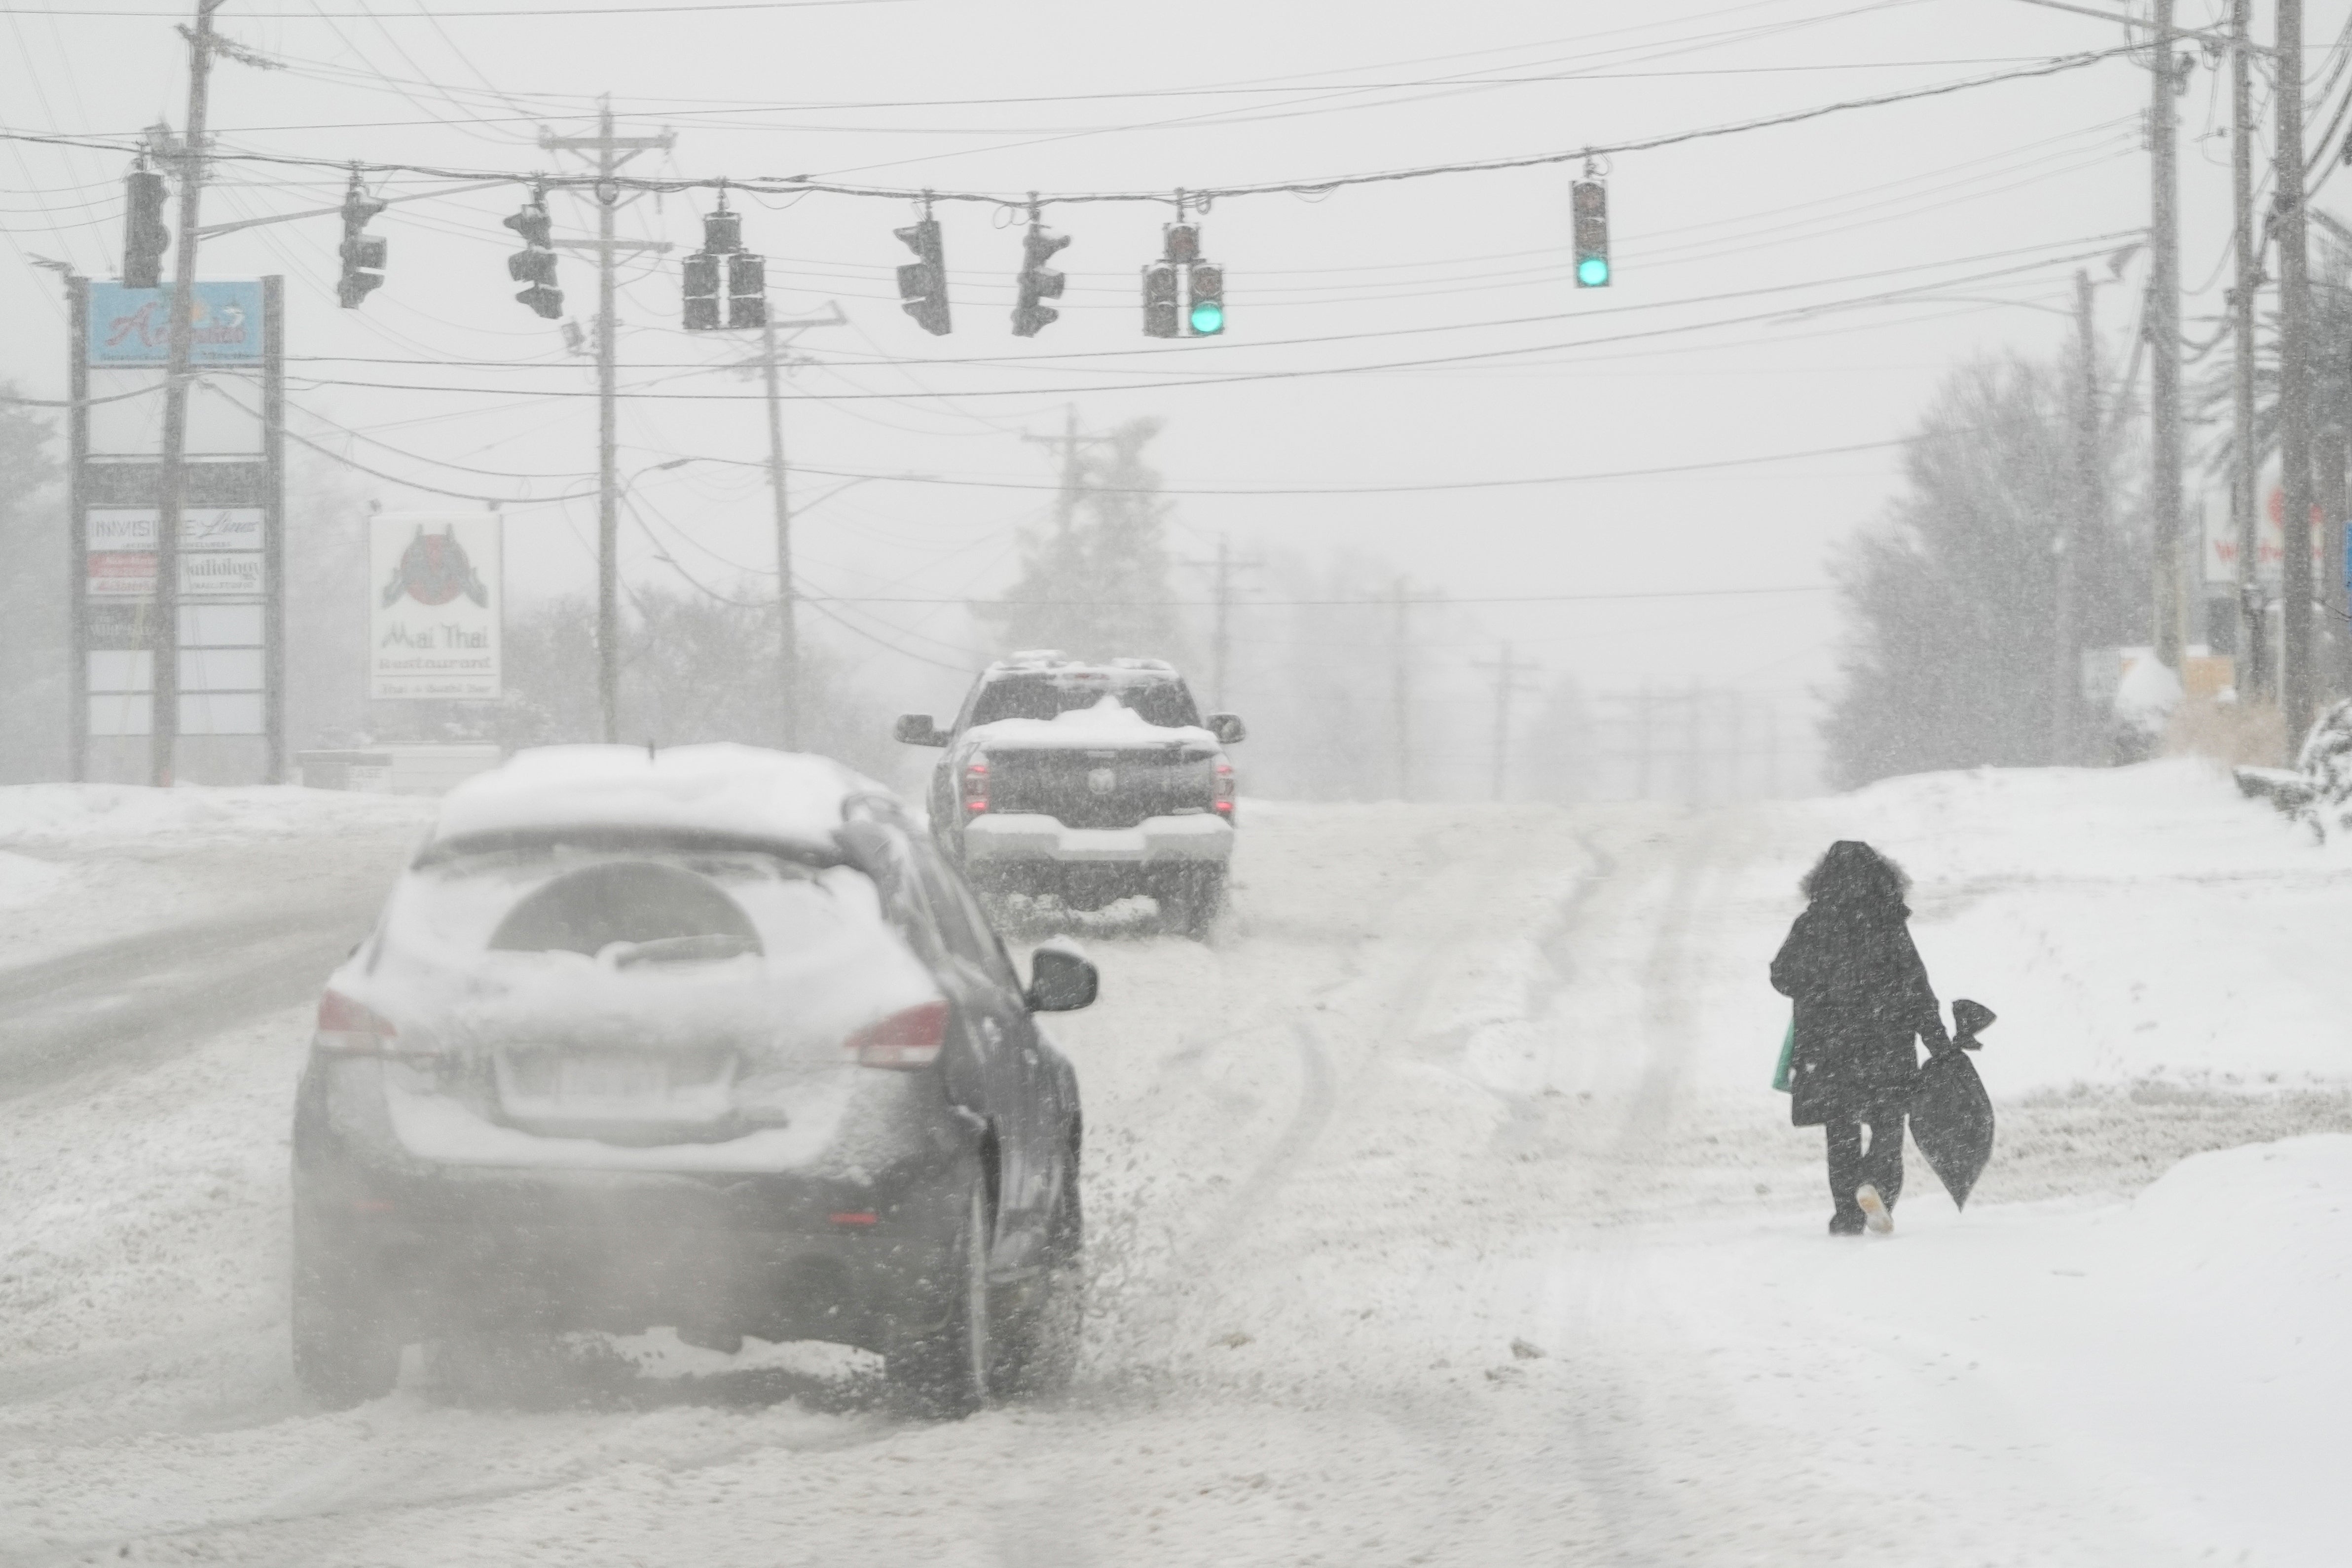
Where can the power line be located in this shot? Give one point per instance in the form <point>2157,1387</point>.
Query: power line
<point>800,184</point>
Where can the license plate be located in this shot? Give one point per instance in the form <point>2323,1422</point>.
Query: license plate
<point>612,1080</point>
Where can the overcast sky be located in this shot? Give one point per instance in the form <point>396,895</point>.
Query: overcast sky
<point>1419,334</point>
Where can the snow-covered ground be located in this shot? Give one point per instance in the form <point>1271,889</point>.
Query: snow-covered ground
<point>1440,1214</point>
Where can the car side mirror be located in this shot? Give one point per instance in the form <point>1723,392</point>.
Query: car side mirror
<point>1061,979</point>
<point>1228,729</point>
<point>1969,1020</point>
<point>916,729</point>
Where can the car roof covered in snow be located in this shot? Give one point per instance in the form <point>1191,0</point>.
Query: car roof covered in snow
<point>722,792</point>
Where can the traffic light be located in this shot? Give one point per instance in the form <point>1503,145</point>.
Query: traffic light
<point>701,292</point>
<point>1589,204</point>
<point>534,265</point>
<point>747,289</point>
<point>1206,317</point>
<point>923,283</point>
<point>363,254</point>
<point>1038,281</point>
<point>144,237</point>
<point>1160,299</point>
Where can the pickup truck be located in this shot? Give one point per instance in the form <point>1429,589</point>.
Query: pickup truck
<point>1087,783</point>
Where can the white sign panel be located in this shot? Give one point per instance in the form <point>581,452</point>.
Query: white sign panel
<point>435,604</point>
<point>2270,563</point>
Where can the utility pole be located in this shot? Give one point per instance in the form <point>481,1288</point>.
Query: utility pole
<point>163,633</point>
<point>2254,662</point>
<point>1507,684</point>
<point>773,357</point>
<point>2088,513</point>
<point>2163,329</point>
<point>1224,569</point>
<point>2300,684</point>
<point>1065,501</point>
<point>608,148</point>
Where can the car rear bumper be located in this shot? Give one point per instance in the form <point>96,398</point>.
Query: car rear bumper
<point>850,1256</point>
<point>996,837</point>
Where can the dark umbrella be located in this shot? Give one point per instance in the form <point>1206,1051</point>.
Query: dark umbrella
<point>1951,1114</point>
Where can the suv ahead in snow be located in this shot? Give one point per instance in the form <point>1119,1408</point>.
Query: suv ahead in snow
<point>1088,782</point>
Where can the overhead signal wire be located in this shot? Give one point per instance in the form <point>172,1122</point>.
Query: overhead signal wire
<point>794,184</point>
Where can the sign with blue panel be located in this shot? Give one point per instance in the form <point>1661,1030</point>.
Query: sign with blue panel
<point>132,326</point>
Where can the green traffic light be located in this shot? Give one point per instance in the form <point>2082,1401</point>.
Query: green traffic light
<point>1208,318</point>
<point>1592,272</point>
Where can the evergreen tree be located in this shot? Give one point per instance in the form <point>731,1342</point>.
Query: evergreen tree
<point>1095,584</point>
<point>1952,600</point>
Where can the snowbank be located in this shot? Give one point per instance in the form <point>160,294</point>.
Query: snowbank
<point>99,817</point>
<point>2174,1358</point>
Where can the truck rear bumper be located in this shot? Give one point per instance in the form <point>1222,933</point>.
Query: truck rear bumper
<point>1013,836</point>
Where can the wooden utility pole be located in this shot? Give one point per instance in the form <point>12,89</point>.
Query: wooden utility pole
<point>773,357</point>
<point>2163,330</point>
<point>1508,684</point>
<point>608,150</point>
<point>2300,683</point>
<point>2078,522</point>
<point>163,631</point>
<point>2253,661</point>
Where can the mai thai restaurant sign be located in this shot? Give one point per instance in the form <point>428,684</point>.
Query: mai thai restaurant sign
<point>133,325</point>
<point>435,604</point>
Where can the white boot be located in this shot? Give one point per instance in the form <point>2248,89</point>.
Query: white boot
<point>1874,1212</point>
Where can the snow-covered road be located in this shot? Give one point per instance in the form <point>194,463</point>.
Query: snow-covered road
<point>1438,1214</point>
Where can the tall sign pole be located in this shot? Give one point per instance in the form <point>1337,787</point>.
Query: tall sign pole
<point>2300,693</point>
<point>163,726</point>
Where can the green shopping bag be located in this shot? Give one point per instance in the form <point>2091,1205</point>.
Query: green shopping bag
<point>1787,1050</point>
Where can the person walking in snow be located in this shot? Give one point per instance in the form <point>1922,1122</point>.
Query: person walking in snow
<point>1861,998</point>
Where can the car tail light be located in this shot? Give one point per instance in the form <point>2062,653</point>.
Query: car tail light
<point>975,786</point>
<point>903,1041</point>
<point>1224,793</point>
<point>348,1029</point>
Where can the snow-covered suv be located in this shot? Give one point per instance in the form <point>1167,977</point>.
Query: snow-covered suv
<point>1089,782</point>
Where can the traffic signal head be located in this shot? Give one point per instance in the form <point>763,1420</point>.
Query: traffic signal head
<point>1038,281</point>
<point>535,226</point>
<point>1206,317</point>
<point>1160,299</point>
<point>923,284</point>
<point>701,292</point>
<point>144,237</point>
<point>722,232</point>
<point>1181,242</point>
<point>535,263</point>
<point>362,253</point>
<point>1589,205</point>
<point>747,289</point>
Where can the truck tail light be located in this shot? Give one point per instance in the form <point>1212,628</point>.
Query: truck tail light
<point>347,1029</point>
<point>975,786</point>
<point>903,1041</point>
<point>1225,795</point>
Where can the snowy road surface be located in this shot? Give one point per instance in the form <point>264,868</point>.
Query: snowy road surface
<point>1438,1214</point>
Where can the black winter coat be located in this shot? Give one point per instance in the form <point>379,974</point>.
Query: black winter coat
<point>1861,998</point>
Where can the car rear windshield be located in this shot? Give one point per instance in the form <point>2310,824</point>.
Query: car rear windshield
<point>1161,700</point>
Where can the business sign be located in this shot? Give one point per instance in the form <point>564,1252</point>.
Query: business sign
<point>133,325</point>
<point>435,604</point>
<point>220,552</point>
<point>2270,562</point>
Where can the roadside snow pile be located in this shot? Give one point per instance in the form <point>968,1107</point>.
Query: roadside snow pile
<point>97,817</point>
<point>2126,923</point>
<point>2176,1360</point>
